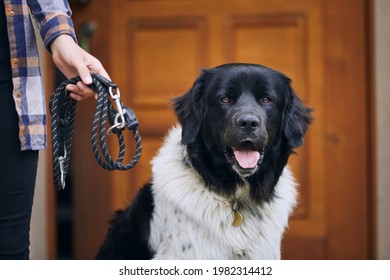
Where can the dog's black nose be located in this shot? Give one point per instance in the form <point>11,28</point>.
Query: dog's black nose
<point>248,122</point>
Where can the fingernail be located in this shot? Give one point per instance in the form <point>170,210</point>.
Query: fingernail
<point>88,80</point>
<point>69,87</point>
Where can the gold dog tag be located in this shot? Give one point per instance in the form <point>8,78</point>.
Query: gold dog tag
<point>238,218</point>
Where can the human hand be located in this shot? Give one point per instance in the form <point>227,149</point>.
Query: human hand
<point>72,61</point>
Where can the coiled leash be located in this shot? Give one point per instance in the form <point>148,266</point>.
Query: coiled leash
<point>63,108</point>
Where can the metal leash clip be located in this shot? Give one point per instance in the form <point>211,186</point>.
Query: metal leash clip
<point>120,114</point>
<point>119,121</point>
<point>61,161</point>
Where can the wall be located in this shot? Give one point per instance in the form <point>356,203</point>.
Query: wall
<point>38,232</point>
<point>382,84</point>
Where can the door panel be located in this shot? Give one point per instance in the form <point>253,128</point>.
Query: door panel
<point>156,49</point>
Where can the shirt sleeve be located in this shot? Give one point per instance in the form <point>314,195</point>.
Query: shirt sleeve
<point>53,19</point>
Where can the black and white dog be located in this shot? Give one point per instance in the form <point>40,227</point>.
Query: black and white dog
<point>221,188</point>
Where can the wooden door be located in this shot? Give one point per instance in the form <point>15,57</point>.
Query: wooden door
<point>155,49</point>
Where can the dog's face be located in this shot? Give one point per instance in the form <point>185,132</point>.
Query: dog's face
<point>244,115</point>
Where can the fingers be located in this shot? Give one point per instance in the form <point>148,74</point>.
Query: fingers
<point>83,69</point>
<point>80,91</point>
<point>101,71</point>
<point>95,66</point>
<point>84,74</point>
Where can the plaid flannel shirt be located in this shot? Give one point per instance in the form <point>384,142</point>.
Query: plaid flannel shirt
<point>53,18</point>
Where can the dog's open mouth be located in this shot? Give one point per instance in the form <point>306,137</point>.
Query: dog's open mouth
<point>245,156</point>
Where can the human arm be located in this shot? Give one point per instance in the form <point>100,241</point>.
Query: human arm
<point>54,21</point>
<point>72,60</point>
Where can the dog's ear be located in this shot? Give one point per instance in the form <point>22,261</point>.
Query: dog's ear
<point>296,120</point>
<point>189,110</point>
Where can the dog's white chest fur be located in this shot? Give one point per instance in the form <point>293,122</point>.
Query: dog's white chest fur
<point>190,222</point>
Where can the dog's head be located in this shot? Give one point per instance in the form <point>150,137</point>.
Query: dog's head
<point>244,115</point>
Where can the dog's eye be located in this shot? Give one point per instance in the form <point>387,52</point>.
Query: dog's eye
<point>225,100</point>
<point>266,100</point>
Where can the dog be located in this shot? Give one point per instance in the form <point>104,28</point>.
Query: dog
<point>221,187</point>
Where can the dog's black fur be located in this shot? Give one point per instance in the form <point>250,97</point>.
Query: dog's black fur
<point>230,107</point>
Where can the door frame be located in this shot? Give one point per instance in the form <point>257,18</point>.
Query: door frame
<point>351,222</point>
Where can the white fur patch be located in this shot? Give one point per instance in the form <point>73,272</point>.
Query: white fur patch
<point>190,222</point>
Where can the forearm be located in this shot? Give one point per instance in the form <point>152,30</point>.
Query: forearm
<point>54,21</point>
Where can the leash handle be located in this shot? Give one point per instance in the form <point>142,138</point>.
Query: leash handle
<point>62,109</point>
<point>104,80</point>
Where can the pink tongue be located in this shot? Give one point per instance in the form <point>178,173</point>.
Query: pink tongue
<point>247,159</point>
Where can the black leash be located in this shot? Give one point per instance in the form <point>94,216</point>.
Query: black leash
<point>63,108</point>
